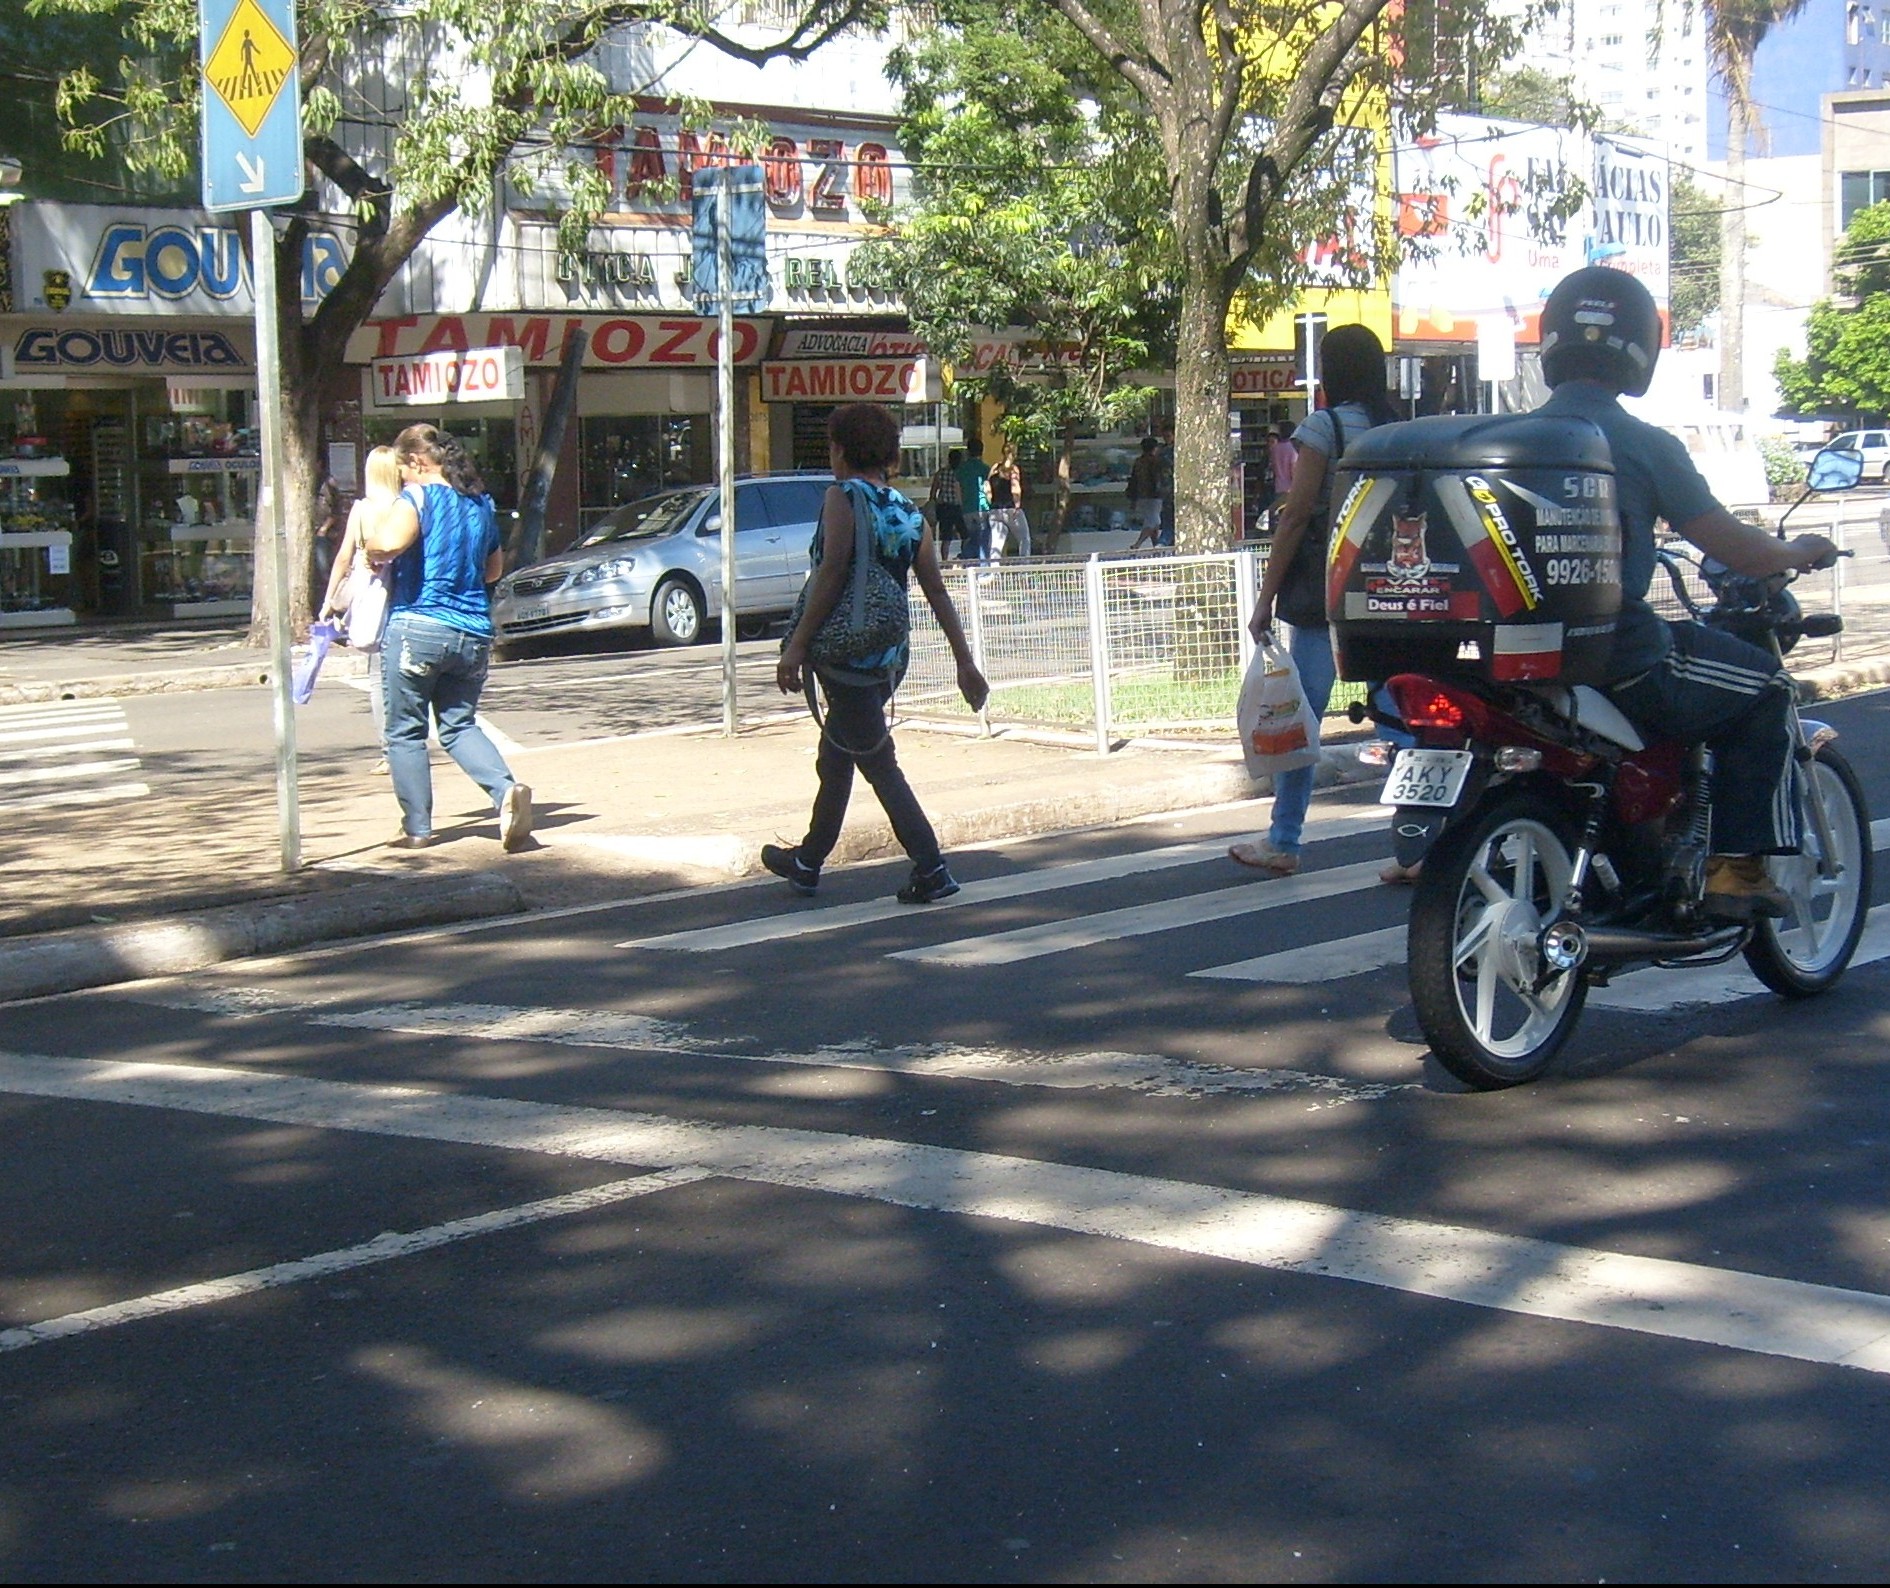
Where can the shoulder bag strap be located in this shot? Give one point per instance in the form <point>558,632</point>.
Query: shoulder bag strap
<point>860,553</point>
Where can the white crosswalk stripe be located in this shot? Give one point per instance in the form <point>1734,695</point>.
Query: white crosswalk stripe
<point>1023,884</point>
<point>60,753</point>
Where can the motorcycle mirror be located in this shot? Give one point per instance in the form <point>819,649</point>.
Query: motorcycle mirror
<point>1835,469</point>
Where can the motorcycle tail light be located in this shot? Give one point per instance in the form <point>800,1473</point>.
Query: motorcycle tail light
<point>1428,706</point>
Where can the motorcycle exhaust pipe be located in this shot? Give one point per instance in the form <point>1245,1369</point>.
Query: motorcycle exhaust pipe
<point>1568,944</point>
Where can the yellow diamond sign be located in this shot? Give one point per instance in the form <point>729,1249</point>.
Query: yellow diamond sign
<point>249,65</point>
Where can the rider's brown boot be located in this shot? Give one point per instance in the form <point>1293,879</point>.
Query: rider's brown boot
<point>1739,888</point>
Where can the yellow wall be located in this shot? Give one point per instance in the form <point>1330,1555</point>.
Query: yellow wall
<point>1370,307</point>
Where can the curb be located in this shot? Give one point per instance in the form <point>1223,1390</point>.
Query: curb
<point>1834,683</point>
<point>180,681</point>
<point>32,967</point>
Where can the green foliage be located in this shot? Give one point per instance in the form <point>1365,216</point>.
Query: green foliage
<point>1784,469</point>
<point>1036,209</point>
<point>38,54</point>
<point>411,110</point>
<point>1846,368</point>
<point>1528,93</point>
<point>1695,234</point>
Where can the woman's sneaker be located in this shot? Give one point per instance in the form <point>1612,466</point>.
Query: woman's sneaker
<point>515,817</point>
<point>928,887</point>
<point>788,865</point>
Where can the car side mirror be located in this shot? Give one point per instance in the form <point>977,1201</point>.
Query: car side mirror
<point>712,525</point>
<point>1835,469</point>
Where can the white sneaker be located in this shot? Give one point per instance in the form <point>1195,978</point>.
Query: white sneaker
<point>515,817</point>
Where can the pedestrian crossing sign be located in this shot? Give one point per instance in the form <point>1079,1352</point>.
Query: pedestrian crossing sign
<point>248,65</point>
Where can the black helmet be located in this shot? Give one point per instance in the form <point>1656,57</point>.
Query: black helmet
<point>1601,324</point>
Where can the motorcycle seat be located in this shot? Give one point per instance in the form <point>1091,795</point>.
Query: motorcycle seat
<point>1588,708</point>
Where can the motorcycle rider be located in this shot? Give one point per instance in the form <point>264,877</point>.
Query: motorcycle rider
<point>1601,335</point>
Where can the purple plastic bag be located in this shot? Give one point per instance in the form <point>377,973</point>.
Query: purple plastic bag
<point>308,669</point>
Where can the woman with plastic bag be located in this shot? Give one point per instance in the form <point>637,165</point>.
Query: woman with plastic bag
<point>1352,373</point>
<point>863,517</point>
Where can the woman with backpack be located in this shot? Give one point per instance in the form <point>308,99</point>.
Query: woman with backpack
<point>863,444</point>
<point>1352,374</point>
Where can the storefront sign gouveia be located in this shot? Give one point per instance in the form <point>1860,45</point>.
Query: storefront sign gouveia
<point>128,261</point>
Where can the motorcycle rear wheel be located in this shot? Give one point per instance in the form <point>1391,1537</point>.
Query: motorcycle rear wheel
<point>1805,954</point>
<point>1486,891</point>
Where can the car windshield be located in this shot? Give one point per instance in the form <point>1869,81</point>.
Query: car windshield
<point>645,519</point>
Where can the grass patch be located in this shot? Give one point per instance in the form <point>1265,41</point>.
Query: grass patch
<point>1137,701</point>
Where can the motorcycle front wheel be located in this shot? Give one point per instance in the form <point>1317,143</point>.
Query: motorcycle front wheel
<point>1486,891</point>
<point>1807,952</point>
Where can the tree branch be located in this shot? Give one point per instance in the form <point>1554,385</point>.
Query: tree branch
<point>1146,75</point>
<point>1310,110</point>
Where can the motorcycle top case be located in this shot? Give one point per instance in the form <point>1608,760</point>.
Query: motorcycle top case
<point>1483,544</point>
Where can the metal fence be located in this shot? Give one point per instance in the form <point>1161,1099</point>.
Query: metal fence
<point>1122,647</point>
<point>1156,646</point>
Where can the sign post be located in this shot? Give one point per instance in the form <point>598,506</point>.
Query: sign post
<point>252,158</point>
<point>733,264</point>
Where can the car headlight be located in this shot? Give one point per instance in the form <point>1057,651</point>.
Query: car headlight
<point>614,568</point>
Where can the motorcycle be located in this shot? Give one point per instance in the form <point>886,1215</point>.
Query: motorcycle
<point>1560,848</point>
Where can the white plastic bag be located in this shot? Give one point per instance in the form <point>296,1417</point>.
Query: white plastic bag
<point>367,606</point>
<point>1278,728</point>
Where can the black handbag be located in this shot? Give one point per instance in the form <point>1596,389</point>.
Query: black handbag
<point>1302,598</point>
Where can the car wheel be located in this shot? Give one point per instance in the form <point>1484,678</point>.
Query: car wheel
<point>676,613</point>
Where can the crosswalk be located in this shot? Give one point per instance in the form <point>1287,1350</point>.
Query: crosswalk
<point>1214,899</point>
<point>67,752</point>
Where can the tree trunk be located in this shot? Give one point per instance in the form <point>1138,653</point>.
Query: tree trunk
<point>1204,507</point>
<point>531,536</point>
<point>1732,260</point>
<point>302,380</point>
<point>1066,471</point>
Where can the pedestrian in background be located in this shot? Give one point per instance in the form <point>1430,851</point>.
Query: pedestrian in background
<point>327,532</point>
<point>1145,493</point>
<point>445,542</point>
<point>947,501</point>
<point>1281,456</point>
<point>1352,371</point>
<point>1010,525</point>
<point>863,443</point>
<point>1165,457</point>
<point>347,585</point>
<point>974,495</point>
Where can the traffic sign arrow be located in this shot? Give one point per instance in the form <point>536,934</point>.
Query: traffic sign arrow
<point>253,173</point>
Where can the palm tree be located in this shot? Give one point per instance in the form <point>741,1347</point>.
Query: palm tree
<point>1734,29</point>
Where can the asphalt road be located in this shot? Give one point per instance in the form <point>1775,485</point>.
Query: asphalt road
<point>985,1242</point>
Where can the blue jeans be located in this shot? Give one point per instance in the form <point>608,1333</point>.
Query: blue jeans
<point>427,666</point>
<point>1292,791</point>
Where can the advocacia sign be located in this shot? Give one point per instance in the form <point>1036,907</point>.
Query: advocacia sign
<point>481,375</point>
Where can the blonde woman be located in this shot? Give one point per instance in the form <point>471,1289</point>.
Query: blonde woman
<point>353,571</point>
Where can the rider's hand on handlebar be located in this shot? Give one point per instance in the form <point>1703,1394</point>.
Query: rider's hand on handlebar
<point>1812,551</point>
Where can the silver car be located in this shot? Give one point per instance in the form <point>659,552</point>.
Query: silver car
<point>1875,447</point>
<point>656,563</point>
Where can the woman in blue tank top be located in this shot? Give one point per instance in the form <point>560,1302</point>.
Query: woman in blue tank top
<point>438,642</point>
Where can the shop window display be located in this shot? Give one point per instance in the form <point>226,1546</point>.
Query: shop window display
<point>36,525</point>
<point>622,459</point>
<point>198,473</point>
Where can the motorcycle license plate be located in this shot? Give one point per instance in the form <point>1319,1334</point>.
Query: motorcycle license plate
<point>1427,777</point>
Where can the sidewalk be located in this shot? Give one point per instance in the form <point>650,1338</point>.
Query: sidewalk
<point>94,894</point>
<point>617,818</point>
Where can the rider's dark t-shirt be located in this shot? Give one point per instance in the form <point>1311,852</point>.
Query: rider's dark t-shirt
<point>1654,479</point>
